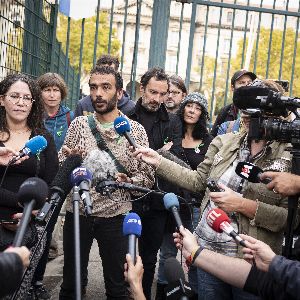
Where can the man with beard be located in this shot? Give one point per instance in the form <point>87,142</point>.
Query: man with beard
<point>162,128</point>
<point>90,135</point>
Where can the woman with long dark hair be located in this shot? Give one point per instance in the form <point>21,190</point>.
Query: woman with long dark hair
<point>21,118</point>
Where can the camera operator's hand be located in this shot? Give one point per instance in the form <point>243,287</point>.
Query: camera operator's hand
<point>283,183</point>
<point>23,252</point>
<point>134,276</point>
<point>147,155</point>
<point>259,251</point>
<point>185,241</point>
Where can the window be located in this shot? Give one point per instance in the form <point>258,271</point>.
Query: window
<point>226,45</point>
<point>171,61</point>
<point>229,16</point>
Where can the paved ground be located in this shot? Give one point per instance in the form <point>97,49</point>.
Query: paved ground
<point>95,290</point>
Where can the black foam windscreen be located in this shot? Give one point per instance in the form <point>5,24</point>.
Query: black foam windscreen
<point>173,270</point>
<point>245,96</point>
<point>33,188</point>
<point>62,178</point>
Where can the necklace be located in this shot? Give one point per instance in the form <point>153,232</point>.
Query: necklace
<point>197,148</point>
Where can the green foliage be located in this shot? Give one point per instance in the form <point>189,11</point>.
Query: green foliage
<point>89,39</point>
<point>275,55</point>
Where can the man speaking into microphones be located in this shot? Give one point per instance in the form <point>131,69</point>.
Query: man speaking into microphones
<point>105,154</point>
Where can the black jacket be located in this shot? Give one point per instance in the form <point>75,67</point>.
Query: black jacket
<point>167,127</point>
<point>11,270</point>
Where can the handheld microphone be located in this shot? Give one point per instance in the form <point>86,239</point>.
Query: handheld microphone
<point>33,146</point>
<point>82,178</point>
<point>132,227</point>
<point>251,172</point>
<point>122,127</point>
<point>177,287</point>
<point>218,220</point>
<point>32,194</point>
<point>60,187</point>
<point>260,97</point>
<point>172,204</point>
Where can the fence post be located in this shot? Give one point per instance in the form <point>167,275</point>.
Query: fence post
<point>159,33</point>
<point>54,12</point>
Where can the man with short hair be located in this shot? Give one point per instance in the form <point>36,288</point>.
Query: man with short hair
<point>230,111</point>
<point>90,135</point>
<point>162,128</point>
<point>125,104</point>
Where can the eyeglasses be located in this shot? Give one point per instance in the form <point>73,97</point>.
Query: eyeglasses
<point>15,98</point>
<point>175,93</point>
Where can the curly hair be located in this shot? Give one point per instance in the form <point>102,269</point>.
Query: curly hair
<point>35,117</point>
<point>107,59</point>
<point>200,130</point>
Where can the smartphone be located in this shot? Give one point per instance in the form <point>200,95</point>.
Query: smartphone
<point>11,221</point>
<point>213,186</point>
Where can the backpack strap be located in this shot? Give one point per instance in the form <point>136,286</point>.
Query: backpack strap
<point>102,144</point>
<point>68,115</point>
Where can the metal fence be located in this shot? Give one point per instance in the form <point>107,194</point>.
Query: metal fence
<point>28,41</point>
<point>202,41</point>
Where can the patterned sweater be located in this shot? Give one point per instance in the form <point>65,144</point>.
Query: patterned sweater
<point>79,135</point>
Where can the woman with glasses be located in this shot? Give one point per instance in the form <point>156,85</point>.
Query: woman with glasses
<point>21,118</point>
<point>253,209</point>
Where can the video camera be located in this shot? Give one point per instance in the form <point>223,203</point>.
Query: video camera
<point>266,109</point>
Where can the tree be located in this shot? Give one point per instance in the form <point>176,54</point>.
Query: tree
<point>89,40</point>
<point>275,54</point>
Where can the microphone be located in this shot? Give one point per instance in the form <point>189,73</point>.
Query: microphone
<point>82,178</point>
<point>122,127</point>
<point>101,165</point>
<point>172,204</point>
<point>218,220</point>
<point>177,287</point>
<point>33,146</point>
<point>260,97</point>
<point>132,227</point>
<point>60,187</point>
<point>251,172</point>
<point>32,194</point>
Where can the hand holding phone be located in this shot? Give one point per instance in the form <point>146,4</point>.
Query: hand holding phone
<point>213,186</point>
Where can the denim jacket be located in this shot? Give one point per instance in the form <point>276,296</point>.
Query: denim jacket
<point>271,214</point>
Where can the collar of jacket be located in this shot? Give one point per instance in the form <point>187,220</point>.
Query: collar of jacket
<point>162,113</point>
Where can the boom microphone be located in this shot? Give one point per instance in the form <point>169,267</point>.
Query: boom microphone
<point>172,204</point>
<point>32,194</point>
<point>82,178</point>
<point>259,97</point>
<point>33,146</point>
<point>122,127</point>
<point>251,172</point>
<point>218,220</point>
<point>60,186</point>
<point>132,227</point>
<point>177,287</point>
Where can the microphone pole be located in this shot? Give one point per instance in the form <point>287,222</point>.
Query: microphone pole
<point>76,199</point>
<point>28,208</point>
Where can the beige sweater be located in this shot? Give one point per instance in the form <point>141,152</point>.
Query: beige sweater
<point>79,135</point>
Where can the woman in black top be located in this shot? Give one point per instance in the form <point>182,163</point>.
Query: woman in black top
<point>195,141</point>
<point>21,114</point>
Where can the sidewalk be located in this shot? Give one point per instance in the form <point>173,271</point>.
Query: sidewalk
<point>95,288</point>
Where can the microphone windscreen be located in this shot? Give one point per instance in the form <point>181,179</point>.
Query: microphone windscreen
<point>33,188</point>
<point>100,164</point>
<point>170,199</point>
<point>248,171</point>
<point>80,174</point>
<point>132,224</point>
<point>173,270</point>
<point>121,125</point>
<point>215,217</point>
<point>62,178</point>
<point>36,144</point>
<point>245,96</point>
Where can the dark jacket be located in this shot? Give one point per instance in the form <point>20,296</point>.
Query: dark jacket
<point>84,106</point>
<point>11,270</point>
<point>166,128</point>
<point>282,281</point>
<point>227,113</point>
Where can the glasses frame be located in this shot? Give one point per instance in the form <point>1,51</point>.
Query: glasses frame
<point>11,100</point>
